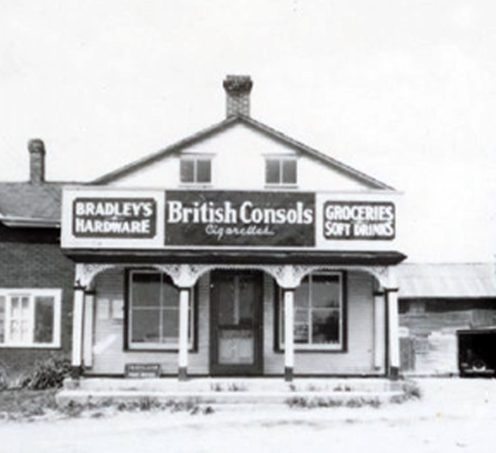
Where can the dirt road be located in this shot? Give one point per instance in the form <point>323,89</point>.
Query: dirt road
<point>453,415</point>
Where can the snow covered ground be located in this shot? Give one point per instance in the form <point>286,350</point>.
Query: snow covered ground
<point>453,415</point>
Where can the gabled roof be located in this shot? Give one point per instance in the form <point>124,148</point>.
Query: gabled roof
<point>27,204</point>
<point>454,280</point>
<point>256,125</point>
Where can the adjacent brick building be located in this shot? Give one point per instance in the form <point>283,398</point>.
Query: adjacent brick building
<point>36,279</point>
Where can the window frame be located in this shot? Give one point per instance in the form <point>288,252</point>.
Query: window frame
<point>281,160</point>
<point>314,347</point>
<point>164,347</point>
<point>32,293</point>
<point>195,158</point>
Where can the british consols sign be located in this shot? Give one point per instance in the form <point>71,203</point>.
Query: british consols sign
<point>235,218</point>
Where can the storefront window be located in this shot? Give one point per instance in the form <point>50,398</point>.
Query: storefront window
<point>154,312</point>
<point>318,313</point>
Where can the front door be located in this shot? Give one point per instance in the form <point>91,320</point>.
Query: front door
<point>236,323</point>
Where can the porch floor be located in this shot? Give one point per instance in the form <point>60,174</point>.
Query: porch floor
<point>228,390</point>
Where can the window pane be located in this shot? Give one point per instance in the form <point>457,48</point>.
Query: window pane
<point>187,170</point>
<point>145,290</point>
<point>272,171</point>
<point>301,294</point>
<point>247,296</point>
<point>19,312</point>
<point>170,322</point>
<point>44,319</point>
<point>325,326</point>
<point>325,291</point>
<point>289,171</point>
<point>15,308</point>
<point>226,295</point>
<point>301,316</point>
<point>301,333</point>
<point>2,319</point>
<point>145,326</point>
<point>170,293</point>
<point>203,171</point>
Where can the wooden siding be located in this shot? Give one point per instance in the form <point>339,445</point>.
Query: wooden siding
<point>109,356</point>
<point>238,162</point>
<point>428,329</point>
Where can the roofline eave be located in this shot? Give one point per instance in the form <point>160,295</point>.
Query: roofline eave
<point>261,127</point>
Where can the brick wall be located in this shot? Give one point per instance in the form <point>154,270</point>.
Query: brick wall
<point>35,264</point>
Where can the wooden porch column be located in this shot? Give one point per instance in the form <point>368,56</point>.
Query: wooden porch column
<point>379,329</point>
<point>89,304</point>
<point>393,333</point>
<point>77,332</point>
<point>288,334</point>
<point>183,333</point>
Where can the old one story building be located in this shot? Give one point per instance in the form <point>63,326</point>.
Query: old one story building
<point>447,315</point>
<point>237,251</point>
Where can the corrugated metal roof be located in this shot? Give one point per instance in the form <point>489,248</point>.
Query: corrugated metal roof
<point>469,280</point>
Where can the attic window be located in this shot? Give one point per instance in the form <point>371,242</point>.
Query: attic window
<point>196,170</point>
<point>280,171</point>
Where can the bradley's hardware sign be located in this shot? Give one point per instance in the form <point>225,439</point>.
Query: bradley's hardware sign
<point>114,217</point>
<point>356,220</point>
<point>230,218</point>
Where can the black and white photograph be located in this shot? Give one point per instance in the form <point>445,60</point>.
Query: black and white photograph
<point>240,226</point>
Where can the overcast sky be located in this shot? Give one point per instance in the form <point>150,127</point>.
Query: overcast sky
<point>403,90</point>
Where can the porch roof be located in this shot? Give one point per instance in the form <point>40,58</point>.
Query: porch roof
<point>226,257</point>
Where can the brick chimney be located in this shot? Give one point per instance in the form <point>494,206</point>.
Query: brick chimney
<point>238,88</point>
<point>36,149</point>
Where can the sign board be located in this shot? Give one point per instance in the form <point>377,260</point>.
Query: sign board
<point>114,217</point>
<point>124,219</point>
<point>359,220</point>
<point>231,218</point>
<point>142,370</point>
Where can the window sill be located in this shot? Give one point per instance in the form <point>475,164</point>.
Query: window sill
<point>30,346</point>
<point>340,350</point>
<point>173,350</point>
<point>281,186</point>
<point>195,185</point>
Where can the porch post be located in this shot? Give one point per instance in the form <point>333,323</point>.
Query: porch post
<point>88,329</point>
<point>288,334</point>
<point>183,333</point>
<point>393,332</point>
<point>77,331</point>
<point>379,329</point>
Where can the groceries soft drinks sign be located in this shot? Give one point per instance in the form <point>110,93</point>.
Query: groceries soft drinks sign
<point>107,218</point>
<point>345,220</point>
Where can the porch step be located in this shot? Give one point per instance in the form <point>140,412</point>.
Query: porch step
<point>84,397</point>
<point>229,391</point>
